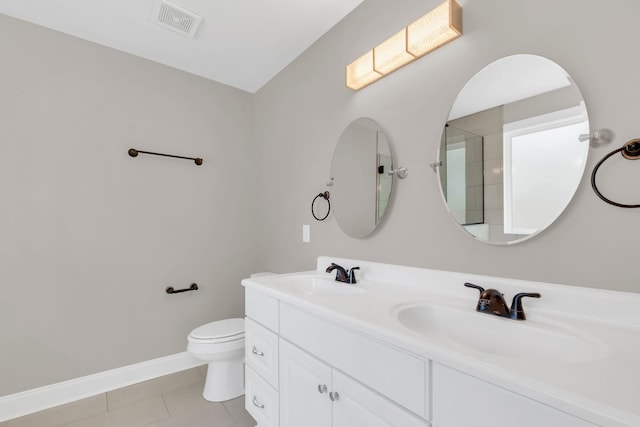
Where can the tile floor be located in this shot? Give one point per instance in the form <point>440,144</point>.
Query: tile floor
<point>171,401</point>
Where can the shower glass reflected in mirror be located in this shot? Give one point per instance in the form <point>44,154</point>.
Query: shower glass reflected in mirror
<point>461,175</point>
<point>360,175</point>
<point>511,156</point>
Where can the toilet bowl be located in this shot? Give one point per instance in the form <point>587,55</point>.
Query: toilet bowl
<point>221,345</point>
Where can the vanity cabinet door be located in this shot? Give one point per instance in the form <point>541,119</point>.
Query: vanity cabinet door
<point>359,406</point>
<point>400,376</point>
<point>462,400</point>
<point>305,383</point>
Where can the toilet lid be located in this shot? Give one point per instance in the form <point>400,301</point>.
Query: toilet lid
<point>220,329</point>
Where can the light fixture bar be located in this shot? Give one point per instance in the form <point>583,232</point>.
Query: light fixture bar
<point>392,53</point>
<point>436,28</point>
<point>361,72</point>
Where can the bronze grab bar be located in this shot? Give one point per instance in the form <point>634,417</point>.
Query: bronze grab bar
<point>170,290</point>
<point>134,153</point>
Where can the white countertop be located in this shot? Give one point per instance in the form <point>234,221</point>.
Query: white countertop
<point>604,389</point>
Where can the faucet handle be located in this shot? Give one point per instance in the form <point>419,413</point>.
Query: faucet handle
<point>471,285</point>
<point>352,275</point>
<point>517,312</point>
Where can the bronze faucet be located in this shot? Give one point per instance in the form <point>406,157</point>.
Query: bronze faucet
<point>341,273</point>
<point>492,301</point>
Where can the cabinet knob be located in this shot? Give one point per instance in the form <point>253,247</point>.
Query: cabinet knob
<point>255,351</point>
<point>257,404</point>
<point>334,396</point>
<point>322,388</point>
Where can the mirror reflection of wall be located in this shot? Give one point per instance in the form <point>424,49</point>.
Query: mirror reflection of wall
<point>529,115</point>
<point>361,184</point>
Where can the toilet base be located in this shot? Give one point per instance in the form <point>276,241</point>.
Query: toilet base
<point>225,380</point>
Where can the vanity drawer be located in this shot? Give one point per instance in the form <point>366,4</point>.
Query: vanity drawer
<point>261,351</point>
<point>261,308</point>
<point>261,400</point>
<point>400,376</point>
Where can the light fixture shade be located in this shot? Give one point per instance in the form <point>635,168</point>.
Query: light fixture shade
<point>392,53</point>
<point>436,28</point>
<point>361,73</point>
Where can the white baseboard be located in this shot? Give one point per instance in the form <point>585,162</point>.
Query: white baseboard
<point>38,399</point>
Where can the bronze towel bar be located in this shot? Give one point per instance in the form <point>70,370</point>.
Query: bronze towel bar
<point>170,290</point>
<point>134,153</point>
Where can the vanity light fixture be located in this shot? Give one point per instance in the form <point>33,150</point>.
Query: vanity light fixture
<point>392,53</point>
<point>436,28</point>
<point>361,73</point>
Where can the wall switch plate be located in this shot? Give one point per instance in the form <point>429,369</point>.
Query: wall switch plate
<point>306,233</point>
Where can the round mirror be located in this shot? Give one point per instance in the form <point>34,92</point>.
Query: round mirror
<point>360,175</point>
<point>511,156</point>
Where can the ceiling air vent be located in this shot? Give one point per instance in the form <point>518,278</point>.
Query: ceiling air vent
<point>175,18</point>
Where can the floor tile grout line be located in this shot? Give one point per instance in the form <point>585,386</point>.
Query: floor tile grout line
<point>106,396</point>
<point>162,419</point>
<point>164,402</point>
<point>229,413</point>
<point>76,420</point>
<point>122,408</point>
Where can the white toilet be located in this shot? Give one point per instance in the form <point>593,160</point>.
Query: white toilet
<point>221,344</point>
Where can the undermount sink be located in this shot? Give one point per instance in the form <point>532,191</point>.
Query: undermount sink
<point>318,285</point>
<point>532,339</point>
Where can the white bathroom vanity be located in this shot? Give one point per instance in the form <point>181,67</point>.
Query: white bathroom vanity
<point>406,347</point>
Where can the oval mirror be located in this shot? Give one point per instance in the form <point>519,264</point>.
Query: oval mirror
<point>511,158</point>
<point>360,175</point>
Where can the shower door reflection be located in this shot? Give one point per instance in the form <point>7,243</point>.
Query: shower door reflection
<point>461,175</point>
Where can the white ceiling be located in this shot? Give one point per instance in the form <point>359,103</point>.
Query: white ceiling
<point>240,43</point>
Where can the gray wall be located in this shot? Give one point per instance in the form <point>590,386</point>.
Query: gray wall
<point>90,237</point>
<point>301,113</point>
